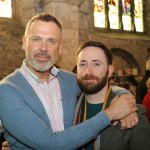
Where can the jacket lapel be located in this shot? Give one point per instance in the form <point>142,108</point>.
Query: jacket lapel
<point>29,95</point>
<point>68,99</point>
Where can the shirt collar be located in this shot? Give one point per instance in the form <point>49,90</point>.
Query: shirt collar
<point>54,71</point>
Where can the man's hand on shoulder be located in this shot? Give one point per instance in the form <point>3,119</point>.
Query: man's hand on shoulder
<point>121,106</point>
<point>128,122</point>
<point>5,146</point>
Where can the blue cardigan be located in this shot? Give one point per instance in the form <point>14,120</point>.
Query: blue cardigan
<point>27,125</point>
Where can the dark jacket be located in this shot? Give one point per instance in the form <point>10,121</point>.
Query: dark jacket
<point>137,138</point>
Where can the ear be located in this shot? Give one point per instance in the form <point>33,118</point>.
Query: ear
<point>59,51</point>
<point>24,43</point>
<point>111,70</point>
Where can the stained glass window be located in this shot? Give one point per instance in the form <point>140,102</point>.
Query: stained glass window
<point>126,15</point>
<point>5,8</point>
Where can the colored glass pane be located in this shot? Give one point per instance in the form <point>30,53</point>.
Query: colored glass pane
<point>126,14</point>
<point>138,15</point>
<point>99,13</point>
<point>113,14</point>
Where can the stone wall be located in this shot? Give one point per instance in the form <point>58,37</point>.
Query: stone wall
<point>11,54</point>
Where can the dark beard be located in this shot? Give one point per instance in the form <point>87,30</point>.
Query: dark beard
<point>90,88</point>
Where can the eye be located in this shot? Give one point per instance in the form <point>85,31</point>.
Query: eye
<point>82,64</point>
<point>35,39</point>
<point>52,41</point>
<point>97,64</point>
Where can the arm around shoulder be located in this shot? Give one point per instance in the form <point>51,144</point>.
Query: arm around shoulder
<point>28,124</point>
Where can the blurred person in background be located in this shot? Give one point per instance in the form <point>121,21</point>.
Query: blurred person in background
<point>141,89</point>
<point>146,100</point>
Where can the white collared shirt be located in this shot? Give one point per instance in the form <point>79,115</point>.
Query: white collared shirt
<point>49,94</point>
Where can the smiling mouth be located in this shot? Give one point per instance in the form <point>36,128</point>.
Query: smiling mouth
<point>42,58</point>
<point>89,80</point>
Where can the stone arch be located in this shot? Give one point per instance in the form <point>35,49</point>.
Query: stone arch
<point>128,57</point>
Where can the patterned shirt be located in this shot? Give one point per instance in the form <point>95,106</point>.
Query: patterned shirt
<point>49,94</point>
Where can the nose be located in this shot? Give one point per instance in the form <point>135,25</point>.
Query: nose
<point>43,46</point>
<point>89,70</point>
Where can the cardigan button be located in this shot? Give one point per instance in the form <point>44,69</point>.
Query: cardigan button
<point>44,112</point>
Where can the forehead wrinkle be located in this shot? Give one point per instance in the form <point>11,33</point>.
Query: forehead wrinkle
<point>45,38</point>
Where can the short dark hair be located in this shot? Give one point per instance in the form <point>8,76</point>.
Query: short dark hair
<point>106,50</point>
<point>43,17</point>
